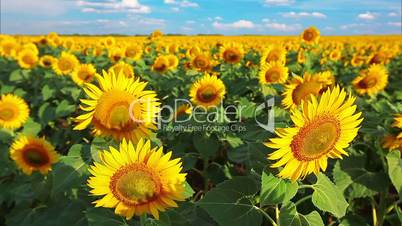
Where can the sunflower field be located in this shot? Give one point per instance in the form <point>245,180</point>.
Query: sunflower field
<point>200,130</point>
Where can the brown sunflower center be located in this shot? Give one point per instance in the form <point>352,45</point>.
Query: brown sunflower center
<point>201,62</point>
<point>272,56</point>
<point>308,36</point>
<point>207,94</point>
<point>316,139</point>
<point>35,156</point>
<point>7,114</point>
<point>85,75</point>
<point>304,90</point>
<point>368,82</point>
<point>161,66</point>
<point>65,65</point>
<point>28,59</point>
<point>231,55</point>
<point>135,184</point>
<point>272,75</point>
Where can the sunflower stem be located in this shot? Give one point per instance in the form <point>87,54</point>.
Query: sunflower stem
<point>269,218</point>
<point>143,219</point>
<point>303,199</point>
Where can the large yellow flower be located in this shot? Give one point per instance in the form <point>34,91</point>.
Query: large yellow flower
<point>273,54</point>
<point>322,130</point>
<point>137,180</point>
<point>27,58</point>
<point>47,61</point>
<point>83,73</point>
<point>274,72</point>
<point>123,67</point>
<point>119,107</point>
<point>311,35</point>
<point>161,64</point>
<point>14,111</point>
<point>33,154</point>
<point>301,88</point>
<point>65,64</point>
<point>208,91</point>
<point>372,81</point>
<point>232,53</point>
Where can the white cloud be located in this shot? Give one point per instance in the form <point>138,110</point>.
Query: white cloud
<point>182,3</point>
<point>283,27</point>
<point>36,7</point>
<point>304,15</point>
<point>396,24</point>
<point>367,16</point>
<point>218,18</point>
<point>279,2</point>
<point>394,14</point>
<point>240,24</point>
<point>113,6</point>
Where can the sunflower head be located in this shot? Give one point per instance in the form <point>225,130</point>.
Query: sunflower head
<point>27,58</point>
<point>119,107</point>
<point>116,54</point>
<point>65,64</point>
<point>14,111</point>
<point>310,36</point>
<point>133,51</point>
<point>371,81</point>
<point>232,53</point>
<point>392,142</point>
<point>208,91</point>
<point>201,62</point>
<point>300,89</point>
<point>33,154</point>
<point>123,67</point>
<point>358,60</point>
<point>335,55</point>
<point>161,64</point>
<point>173,61</point>
<point>273,54</point>
<point>273,72</point>
<point>83,73</point>
<point>322,129</point>
<point>137,180</point>
<point>47,61</point>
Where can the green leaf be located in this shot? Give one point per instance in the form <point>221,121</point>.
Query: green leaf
<point>103,217</point>
<point>327,197</point>
<point>395,170</point>
<point>398,212</point>
<point>206,146</point>
<point>352,220</point>
<point>230,203</point>
<point>276,190</point>
<point>46,113</point>
<point>64,108</point>
<point>290,217</point>
<point>31,128</point>
<point>70,171</point>
<point>188,191</point>
<point>47,92</point>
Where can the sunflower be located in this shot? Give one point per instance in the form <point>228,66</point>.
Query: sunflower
<point>301,88</point>
<point>83,73</point>
<point>47,61</point>
<point>322,130</point>
<point>311,35</point>
<point>397,121</point>
<point>33,154</point>
<point>193,51</point>
<point>109,41</point>
<point>173,61</point>
<point>65,64</point>
<point>232,53</point>
<point>14,111</point>
<point>137,180</point>
<point>392,142</point>
<point>133,51</point>
<point>116,54</point>
<point>123,67</point>
<point>208,91</point>
<point>119,107</point>
<point>9,47</point>
<point>182,110</point>
<point>27,58</point>
<point>301,57</point>
<point>358,60</point>
<point>201,62</point>
<point>273,72</point>
<point>335,55</point>
<point>272,54</point>
<point>372,81</point>
<point>161,64</point>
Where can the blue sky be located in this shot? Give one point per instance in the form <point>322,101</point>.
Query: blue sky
<point>271,17</point>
